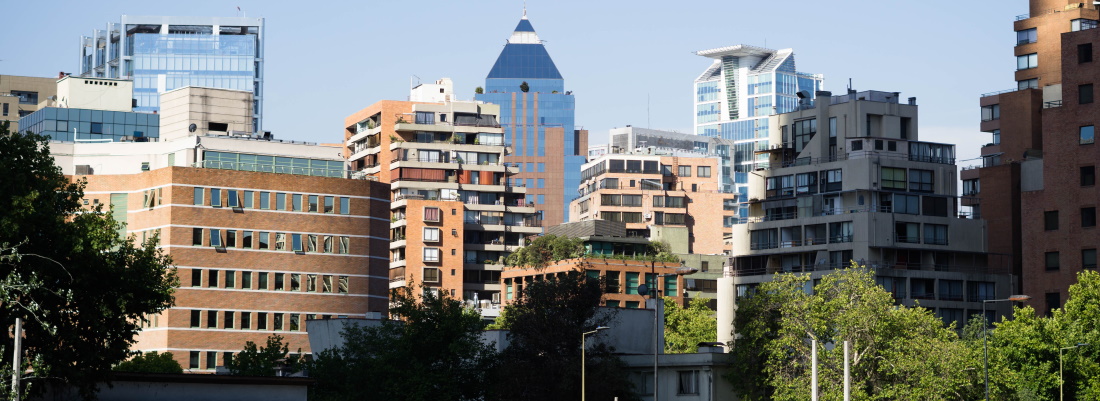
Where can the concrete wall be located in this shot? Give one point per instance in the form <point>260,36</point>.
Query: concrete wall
<point>706,370</point>
<point>95,93</point>
<point>202,106</point>
<point>184,387</point>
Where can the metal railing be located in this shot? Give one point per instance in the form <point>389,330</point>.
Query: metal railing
<point>1022,17</point>
<point>1052,104</point>
<point>267,168</point>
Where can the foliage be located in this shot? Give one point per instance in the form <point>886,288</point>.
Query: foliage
<point>685,328</point>
<point>264,360</point>
<point>151,362</point>
<point>897,352</point>
<point>479,90</point>
<point>539,252</point>
<point>433,352</point>
<point>500,322</point>
<point>524,87</point>
<point>83,291</point>
<point>543,359</point>
<point>1023,352</point>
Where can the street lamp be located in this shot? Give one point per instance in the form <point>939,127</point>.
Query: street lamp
<point>643,289</point>
<point>985,333</point>
<point>1062,380</point>
<point>582,355</point>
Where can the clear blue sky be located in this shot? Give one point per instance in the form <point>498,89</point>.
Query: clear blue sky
<point>328,59</point>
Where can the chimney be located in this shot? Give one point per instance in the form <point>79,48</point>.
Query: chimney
<point>912,100</point>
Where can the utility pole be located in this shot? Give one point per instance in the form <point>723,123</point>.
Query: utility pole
<point>16,370</point>
<point>813,378</point>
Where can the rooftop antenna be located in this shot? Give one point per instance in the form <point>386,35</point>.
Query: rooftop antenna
<point>524,9</point>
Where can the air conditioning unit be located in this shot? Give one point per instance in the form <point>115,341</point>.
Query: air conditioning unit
<point>648,216</point>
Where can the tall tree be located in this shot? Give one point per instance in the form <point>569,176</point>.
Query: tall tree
<point>264,360</point>
<point>83,291</point>
<point>896,352</point>
<point>432,352</point>
<point>543,359</point>
<point>151,362</point>
<point>685,328</point>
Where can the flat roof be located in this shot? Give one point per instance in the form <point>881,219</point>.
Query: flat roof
<point>736,50</point>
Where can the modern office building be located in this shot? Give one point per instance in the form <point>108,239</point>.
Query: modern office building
<point>1036,184</point>
<point>632,139</point>
<point>663,198</point>
<point>456,211</point>
<point>265,234</point>
<point>849,180</point>
<point>620,260</point>
<point>536,113</point>
<point>92,109</point>
<point>160,53</point>
<point>735,95</point>
<point>21,96</point>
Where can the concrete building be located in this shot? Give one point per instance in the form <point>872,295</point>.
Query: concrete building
<point>93,93</point>
<point>160,53</point>
<point>21,96</point>
<point>663,198</point>
<point>849,180</point>
<point>457,211</point>
<point>537,115</point>
<point>735,95</point>
<point>265,234</point>
<point>1036,184</point>
<point>612,255</point>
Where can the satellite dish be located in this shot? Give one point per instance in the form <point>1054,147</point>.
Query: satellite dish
<point>192,127</point>
<point>643,289</point>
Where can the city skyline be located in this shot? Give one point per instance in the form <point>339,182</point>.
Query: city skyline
<point>652,58</point>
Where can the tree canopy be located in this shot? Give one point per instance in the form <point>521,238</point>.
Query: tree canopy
<point>264,360</point>
<point>83,291</point>
<point>686,327</point>
<point>151,362</point>
<point>433,352</point>
<point>539,252</point>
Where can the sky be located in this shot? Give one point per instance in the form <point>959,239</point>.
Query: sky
<point>627,62</point>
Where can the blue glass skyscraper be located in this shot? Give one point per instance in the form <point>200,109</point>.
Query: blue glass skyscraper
<point>537,115</point>
<point>165,53</point>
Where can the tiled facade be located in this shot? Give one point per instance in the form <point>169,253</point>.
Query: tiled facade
<point>252,262</point>
<point>1037,178</point>
<point>676,199</point>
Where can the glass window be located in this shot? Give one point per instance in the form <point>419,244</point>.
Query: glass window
<point>198,196</point>
<point>1052,261</point>
<point>263,238</point>
<point>196,236</point>
<point>991,112</point>
<point>1026,36</point>
<point>1088,217</point>
<point>296,203</point>
<point>345,205</point>
<point>280,201</point>
<point>431,254</point>
<point>1050,220</point>
<point>1084,53</point>
<point>313,199</point>
<point>265,199</point>
<point>920,180</point>
<point>704,171</point>
<point>1027,61</point>
<point>935,234</point>
<point>247,202</point>
<point>246,280</point>
<point>296,242</point>
<point>1087,134</point>
<point>231,238</point>
<point>215,197</point>
<point>684,171</point>
<point>215,238</point>
<point>689,382</point>
<point>432,234</point>
<point>893,178</point>
<point>1084,94</point>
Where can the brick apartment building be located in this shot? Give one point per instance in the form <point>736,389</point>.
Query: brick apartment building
<point>1036,185</point>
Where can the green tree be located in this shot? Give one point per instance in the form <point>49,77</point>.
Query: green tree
<point>542,361</point>
<point>479,90</point>
<point>897,352</point>
<point>539,252</point>
<point>151,362</point>
<point>433,352</point>
<point>685,328</point>
<point>524,87</point>
<point>83,291</point>
<point>264,360</point>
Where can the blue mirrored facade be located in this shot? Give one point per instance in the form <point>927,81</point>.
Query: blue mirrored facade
<point>527,115</point>
<point>63,124</point>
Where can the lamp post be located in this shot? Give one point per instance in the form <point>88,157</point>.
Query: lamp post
<point>643,290</point>
<point>1062,380</point>
<point>582,355</point>
<point>985,334</point>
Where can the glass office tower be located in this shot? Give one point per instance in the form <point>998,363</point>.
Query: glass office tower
<point>736,94</point>
<point>538,122</point>
<point>164,53</point>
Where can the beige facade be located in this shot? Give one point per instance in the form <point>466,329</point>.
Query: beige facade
<point>848,180</point>
<point>674,199</point>
<point>94,93</point>
<point>213,112</point>
<point>20,96</point>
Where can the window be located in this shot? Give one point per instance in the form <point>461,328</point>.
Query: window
<point>277,321</point>
<point>1053,261</point>
<point>261,320</point>
<point>248,200</point>
<point>295,321</point>
<point>1088,176</point>
<point>1081,24</point>
<point>246,320</point>
<point>212,278</point>
<point>196,318</point>
<point>6,110</point>
<point>326,284</point>
<point>703,171</point>
<point>215,197</point>
<point>704,266</point>
<point>1084,53</point>
<point>215,238</point>
<point>246,280</point>
<point>196,236</point>
<point>231,238</point>
<point>1084,94</point>
<point>328,243</point>
<point>971,187</point>
<point>1028,84</point>
<point>1026,36</point>
<point>1053,301</point>
<point>311,282</point>
<point>212,319</point>
<point>295,282</point>
<point>280,201</point>
<point>1050,220</point>
<point>330,204</point>
<point>279,278</point>
<point>198,196</point>
<point>228,319</point>
<point>431,254</point>
<point>246,240</point>
<point>840,232</point>
<point>935,206</point>
<point>342,285</point>
<point>230,279</point>
<point>313,199</point>
<point>431,275</point>
<point>265,200</point>
<point>231,198</point>
<point>263,240</point>
<point>345,245</point>
<point>193,363</point>
<point>296,202</point>
<point>935,234</point>
<point>685,171</point>
<point>433,214</point>
<point>196,277</point>
<point>296,242</point>
<point>689,382</point>
<point>1088,258</point>
<point>905,204</point>
<point>802,132</point>
<point>996,137</point>
<point>1087,134</point>
<point>908,233</point>
<point>920,180</point>
<point>832,180</point>
<point>991,112</point>
<point>345,205</point>
<point>432,234</point>
<point>262,284</point>
<point>311,243</point>
<point>1027,61</point>
<point>893,178</point>
<point>1088,217</point>
<point>857,144</point>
